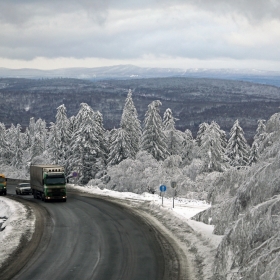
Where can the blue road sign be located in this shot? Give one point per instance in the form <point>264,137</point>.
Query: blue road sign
<point>162,188</point>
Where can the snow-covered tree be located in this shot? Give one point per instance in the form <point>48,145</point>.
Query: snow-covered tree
<point>41,130</point>
<point>62,124</point>
<point>100,134</point>
<point>221,133</point>
<point>31,131</point>
<point>168,120</point>
<point>37,147</point>
<point>202,128</point>
<point>260,136</point>
<point>120,147</point>
<point>54,144</point>
<point>17,160</point>
<point>153,138</point>
<point>131,125</point>
<point>174,138</point>
<point>5,152</point>
<point>237,148</point>
<point>11,134</point>
<point>87,155</point>
<point>27,142</point>
<point>59,138</point>
<point>254,154</point>
<point>86,150</point>
<point>212,150</point>
<point>189,149</point>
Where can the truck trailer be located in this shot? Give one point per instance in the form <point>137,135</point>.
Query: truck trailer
<point>3,184</point>
<point>48,182</point>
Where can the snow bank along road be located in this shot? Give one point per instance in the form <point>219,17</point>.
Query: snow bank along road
<point>91,238</point>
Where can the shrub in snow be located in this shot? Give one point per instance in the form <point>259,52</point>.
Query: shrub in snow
<point>134,175</point>
<point>194,169</point>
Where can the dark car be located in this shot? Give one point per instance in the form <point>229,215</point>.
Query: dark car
<point>23,188</point>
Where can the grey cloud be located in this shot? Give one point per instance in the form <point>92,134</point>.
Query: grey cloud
<point>127,45</point>
<point>19,11</point>
<point>33,40</point>
<point>252,9</point>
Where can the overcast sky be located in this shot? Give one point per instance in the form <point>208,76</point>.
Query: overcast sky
<point>49,34</point>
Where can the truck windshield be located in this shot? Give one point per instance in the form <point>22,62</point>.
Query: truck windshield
<point>55,180</point>
<point>2,180</point>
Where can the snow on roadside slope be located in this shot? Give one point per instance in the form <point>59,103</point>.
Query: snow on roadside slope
<point>16,221</point>
<point>194,238</point>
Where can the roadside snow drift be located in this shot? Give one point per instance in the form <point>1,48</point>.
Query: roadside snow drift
<point>16,221</point>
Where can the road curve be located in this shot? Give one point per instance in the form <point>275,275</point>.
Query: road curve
<point>89,238</point>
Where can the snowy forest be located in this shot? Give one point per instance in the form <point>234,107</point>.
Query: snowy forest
<point>132,157</point>
<point>241,182</point>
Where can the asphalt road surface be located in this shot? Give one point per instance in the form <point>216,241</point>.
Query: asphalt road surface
<point>90,238</point>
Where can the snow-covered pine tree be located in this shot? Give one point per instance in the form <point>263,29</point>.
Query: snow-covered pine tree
<point>220,132</point>
<point>86,153</point>
<point>260,136</point>
<point>120,147</point>
<point>168,120</point>
<point>11,134</point>
<point>100,134</point>
<point>41,129</point>
<point>202,128</point>
<point>62,137</point>
<point>5,153</point>
<point>174,138</point>
<point>85,113</point>
<point>153,138</point>
<point>212,151</point>
<point>53,145</point>
<point>37,147</point>
<point>237,148</point>
<point>131,124</point>
<point>24,139</point>
<point>28,140</point>
<point>89,149</point>
<point>71,126</point>
<point>17,160</point>
<point>189,147</point>
<point>254,154</point>
<point>31,131</point>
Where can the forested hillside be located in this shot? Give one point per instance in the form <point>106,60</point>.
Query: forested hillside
<point>241,181</point>
<point>192,101</point>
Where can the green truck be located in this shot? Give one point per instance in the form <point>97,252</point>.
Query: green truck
<point>3,184</point>
<point>48,182</point>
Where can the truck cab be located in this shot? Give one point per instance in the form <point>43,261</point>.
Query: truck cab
<point>3,184</point>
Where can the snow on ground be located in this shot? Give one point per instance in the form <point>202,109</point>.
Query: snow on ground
<point>15,221</point>
<point>195,238</point>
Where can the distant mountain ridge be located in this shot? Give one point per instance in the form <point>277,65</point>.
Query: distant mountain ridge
<point>135,72</point>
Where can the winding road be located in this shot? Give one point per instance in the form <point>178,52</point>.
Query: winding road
<point>91,238</point>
